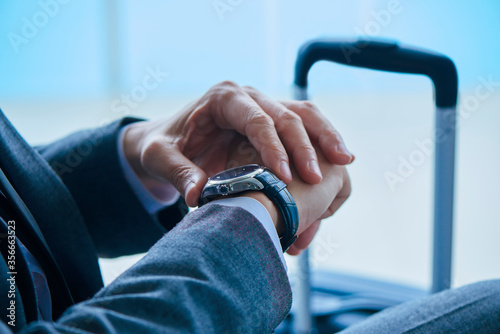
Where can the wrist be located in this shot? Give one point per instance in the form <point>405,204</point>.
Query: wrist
<point>132,139</point>
<point>271,208</point>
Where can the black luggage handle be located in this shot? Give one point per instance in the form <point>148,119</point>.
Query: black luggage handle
<point>384,56</point>
<point>391,57</point>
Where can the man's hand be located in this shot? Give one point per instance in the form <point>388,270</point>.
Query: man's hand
<point>194,144</point>
<point>318,201</point>
<point>314,201</point>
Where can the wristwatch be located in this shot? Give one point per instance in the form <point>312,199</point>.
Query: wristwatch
<point>256,178</point>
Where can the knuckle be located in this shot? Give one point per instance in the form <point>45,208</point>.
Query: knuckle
<point>228,93</point>
<point>259,118</point>
<point>224,90</point>
<point>330,135</point>
<point>228,83</point>
<point>260,127</point>
<point>287,116</point>
<point>287,119</point>
<point>334,134</point>
<point>308,105</point>
<point>303,150</point>
<point>227,88</point>
<point>179,174</point>
<point>152,149</point>
<point>251,90</point>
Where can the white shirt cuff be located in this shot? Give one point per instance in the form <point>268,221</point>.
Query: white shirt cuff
<point>169,195</point>
<point>260,212</point>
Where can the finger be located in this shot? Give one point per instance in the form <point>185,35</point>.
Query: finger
<point>293,134</point>
<point>322,131</point>
<point>165,161</point>
<point>293,250</point>
<point>341,197</point>
<point>305,238</point>
<point>214,158</point>
<point>243,114</point>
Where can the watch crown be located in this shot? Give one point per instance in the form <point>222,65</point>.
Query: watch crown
<point>224,190</point>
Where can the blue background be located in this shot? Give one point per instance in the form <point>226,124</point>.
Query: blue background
<point>254,44</point>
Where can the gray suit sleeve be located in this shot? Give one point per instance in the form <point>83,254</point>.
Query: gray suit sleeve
<point>216,272</point>
<point>88,164</point>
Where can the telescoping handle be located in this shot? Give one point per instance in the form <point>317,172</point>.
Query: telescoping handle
<point>392,57</point>
<point>384,56</point>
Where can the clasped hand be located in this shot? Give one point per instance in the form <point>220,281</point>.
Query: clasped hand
<point>185,150</point>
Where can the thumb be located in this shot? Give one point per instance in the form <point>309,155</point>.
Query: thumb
<point>169,164</point>
<point>304,239</point>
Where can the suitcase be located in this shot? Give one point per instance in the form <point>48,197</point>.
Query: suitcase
<point>325,301</point>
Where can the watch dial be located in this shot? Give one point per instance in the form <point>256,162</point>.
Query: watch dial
<point>235,172</point>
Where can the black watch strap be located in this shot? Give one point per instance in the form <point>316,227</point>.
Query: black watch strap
<point>277,192</point>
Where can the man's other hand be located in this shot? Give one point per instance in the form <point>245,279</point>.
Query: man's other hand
<point>314,201</point>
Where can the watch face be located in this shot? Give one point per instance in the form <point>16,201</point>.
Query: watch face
<point>235,172</point>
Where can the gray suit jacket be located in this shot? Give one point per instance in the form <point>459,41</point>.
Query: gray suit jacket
<point>217,271</point>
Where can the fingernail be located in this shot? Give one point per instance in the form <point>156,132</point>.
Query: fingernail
<point>285,170</point>
<point>341,148</point>
<point>314,167</point>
